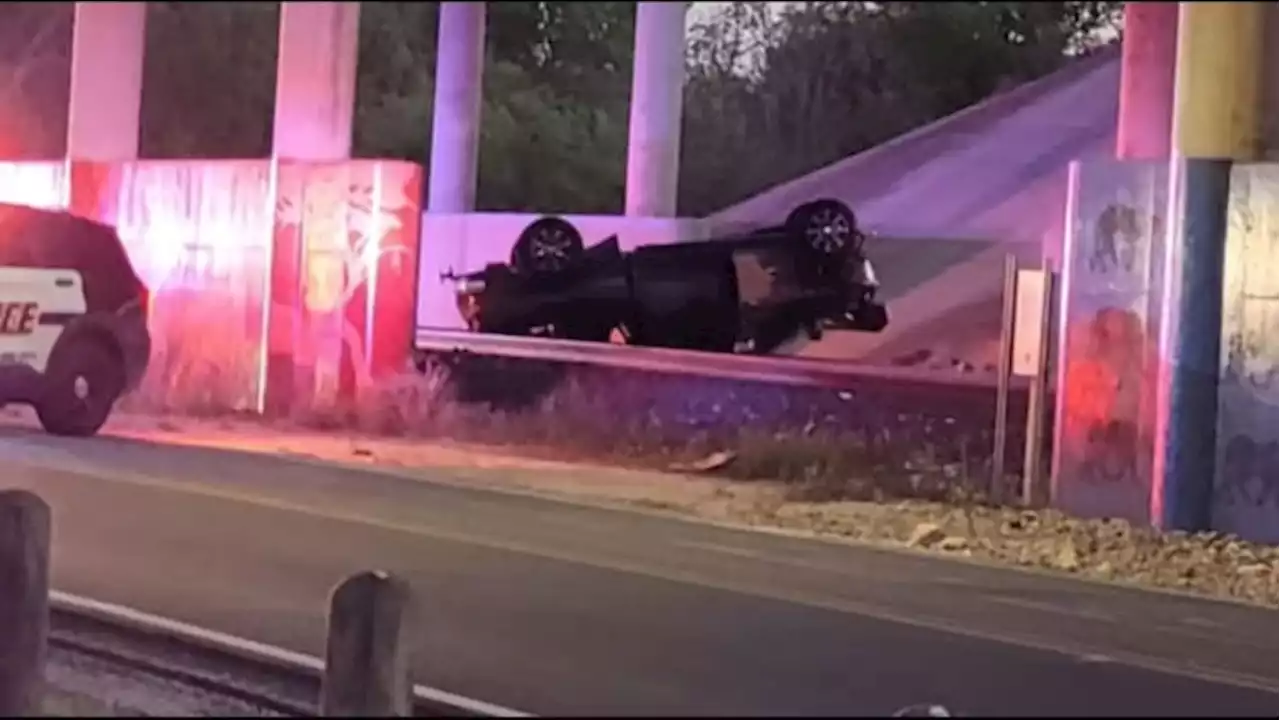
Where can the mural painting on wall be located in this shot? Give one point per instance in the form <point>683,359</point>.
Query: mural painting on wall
<point>1245,497</point>
<point>1248,467</point>
<point>197,233</point>
<point>200,235</point>
<point>1105,437</point>
<point>355,225</point>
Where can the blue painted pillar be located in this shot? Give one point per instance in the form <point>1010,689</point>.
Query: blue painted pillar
<point>1218,119</point>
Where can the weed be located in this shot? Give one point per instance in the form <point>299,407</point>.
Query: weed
<point>583,414</point>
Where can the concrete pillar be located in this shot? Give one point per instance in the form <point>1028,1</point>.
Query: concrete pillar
<point>1270,87</point>
<point>455,125</point>
<point>315,106</point>
<point>657,94</point>
<point>108,41</point>
<point>1221,66</point>
<point>315,80</point>
<point>1146,80</point>
<point>1218,118</point>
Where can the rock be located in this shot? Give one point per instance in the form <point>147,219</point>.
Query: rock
<point>926,535</point>
<point>1253,570</point>
<point>952,543</point>
<point>714,461</point>
<point>1066,557</point>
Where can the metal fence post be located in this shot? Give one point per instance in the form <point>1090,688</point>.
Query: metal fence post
<point>1033,493</point>
<point>1000,435</point>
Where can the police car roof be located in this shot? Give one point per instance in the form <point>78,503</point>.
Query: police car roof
<point>12,212</point>
<point>33,237</point>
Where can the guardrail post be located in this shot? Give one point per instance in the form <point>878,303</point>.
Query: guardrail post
<point>24,601</point>
<point>366,667</point>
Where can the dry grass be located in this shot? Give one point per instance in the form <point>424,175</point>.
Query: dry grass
<point>201,364</point>
<point>572,417</point>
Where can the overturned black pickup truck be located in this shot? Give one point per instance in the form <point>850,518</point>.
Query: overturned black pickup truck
<point>749,293</point>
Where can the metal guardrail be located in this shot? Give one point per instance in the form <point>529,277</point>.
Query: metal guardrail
<point>805,372</point>
<point>274,678</point>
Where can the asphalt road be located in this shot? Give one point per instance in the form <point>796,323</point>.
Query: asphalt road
<point>553,608</point>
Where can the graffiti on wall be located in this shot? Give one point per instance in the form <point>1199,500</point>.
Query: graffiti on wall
<point>350,219</point>
<point>1245,484</point>
<point>1107,371</point>
<point>355,227</point>
<point>1247,464</point>
<point>1105,381</point>
<point>1104,434</point>
<point>1116,241</point>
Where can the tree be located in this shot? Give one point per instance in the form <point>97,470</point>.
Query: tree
<point>556,85</point>
<point>209,79</point>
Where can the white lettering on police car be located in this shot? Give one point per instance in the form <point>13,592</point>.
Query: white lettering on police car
<point>18,318</point>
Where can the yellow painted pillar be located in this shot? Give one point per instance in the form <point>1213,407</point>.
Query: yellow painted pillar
<point>1219,97</point>
<point>1218,118</point>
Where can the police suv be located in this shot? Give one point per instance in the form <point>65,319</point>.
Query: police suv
<point>73,318</point>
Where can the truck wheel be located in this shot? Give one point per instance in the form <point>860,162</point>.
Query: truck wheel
<point>82,382</point>
<point>548,245</point>
<point>827,226</point>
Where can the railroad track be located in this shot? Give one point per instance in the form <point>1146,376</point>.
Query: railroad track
<point>782,370</point>
<point>273,680</point>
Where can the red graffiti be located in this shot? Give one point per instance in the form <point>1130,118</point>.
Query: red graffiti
<point>1107,380</point>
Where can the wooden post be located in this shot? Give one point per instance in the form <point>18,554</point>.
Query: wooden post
<point>1034,493</point>
<point>24,601</point>
<point>366,668</point>
<point>1000,436</point>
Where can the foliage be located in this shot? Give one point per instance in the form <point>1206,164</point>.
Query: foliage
<point>770,93</point>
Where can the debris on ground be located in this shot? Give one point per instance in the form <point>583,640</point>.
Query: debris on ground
<point>715,461</point>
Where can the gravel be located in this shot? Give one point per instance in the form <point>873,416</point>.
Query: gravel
<point>1207,563</point>
<point>81,685</point>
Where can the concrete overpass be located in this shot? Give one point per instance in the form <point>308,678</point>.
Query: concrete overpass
<point>315,91</point>
<point>952,196</point>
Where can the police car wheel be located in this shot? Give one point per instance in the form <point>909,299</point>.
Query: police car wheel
<point>82,382</point>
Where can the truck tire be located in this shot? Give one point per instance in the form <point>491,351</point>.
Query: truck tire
<point>827,226</point>
<point>548,245</point>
